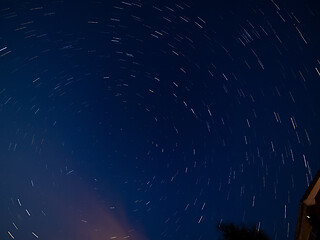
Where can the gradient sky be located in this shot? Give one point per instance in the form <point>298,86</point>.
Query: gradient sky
<point>156,119</point>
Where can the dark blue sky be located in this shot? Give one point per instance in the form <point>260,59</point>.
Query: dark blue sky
<point>156,120</point>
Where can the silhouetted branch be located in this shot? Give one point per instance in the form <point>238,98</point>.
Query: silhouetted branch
<point>232,232</point>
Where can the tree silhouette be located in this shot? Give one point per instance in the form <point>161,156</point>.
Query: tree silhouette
<point>232,232</point>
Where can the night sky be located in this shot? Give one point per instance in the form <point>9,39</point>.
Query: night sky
<point>156,119</point>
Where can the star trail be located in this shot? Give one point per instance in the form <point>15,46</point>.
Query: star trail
<point>156,119</point>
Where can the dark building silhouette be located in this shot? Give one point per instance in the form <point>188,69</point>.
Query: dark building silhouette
<point>308,224</point>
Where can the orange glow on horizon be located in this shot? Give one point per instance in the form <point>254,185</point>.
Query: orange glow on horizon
<point>79,214</point>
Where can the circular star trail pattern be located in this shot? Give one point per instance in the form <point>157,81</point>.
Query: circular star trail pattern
<point>156,120</point>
